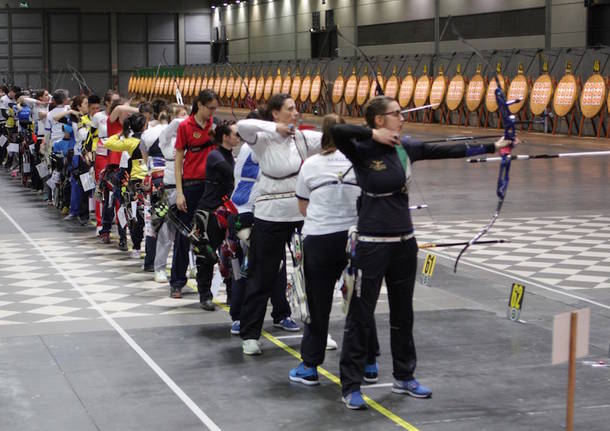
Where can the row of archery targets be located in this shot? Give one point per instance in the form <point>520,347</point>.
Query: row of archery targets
<point>457,100</point>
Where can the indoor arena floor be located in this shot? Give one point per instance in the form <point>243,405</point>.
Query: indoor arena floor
<point>89,342</point>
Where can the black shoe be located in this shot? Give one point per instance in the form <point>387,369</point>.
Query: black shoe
<point>207,305</point>
<point>175,293</point>
<point>123,245</point>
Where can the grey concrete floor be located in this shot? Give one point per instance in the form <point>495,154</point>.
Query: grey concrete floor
<point>68,369</point>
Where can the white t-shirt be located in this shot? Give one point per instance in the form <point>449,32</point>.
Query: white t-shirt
<point>55,128</point>
<point>100,122</point>
<point>4,104</point>
<point>167,144</point>
<point>278,158</point>
<point>151,134</point>
<point>332,203</point>
<point>40,115</point>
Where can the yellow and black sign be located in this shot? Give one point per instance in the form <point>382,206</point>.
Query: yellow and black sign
<point>429,265</point>
<point>428,269</point>
<point>515,301</point>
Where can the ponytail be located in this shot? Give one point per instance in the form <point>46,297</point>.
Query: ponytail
<point>134,124</point>
<point>221,130</point>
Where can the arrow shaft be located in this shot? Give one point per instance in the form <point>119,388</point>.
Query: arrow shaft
<point>541,156</point>
<point>459,244</point>
<point>462,138</point>
<point>432,105</point>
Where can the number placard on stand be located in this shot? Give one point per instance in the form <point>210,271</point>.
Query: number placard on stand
<point>428,269</point>
<point>515,301</point>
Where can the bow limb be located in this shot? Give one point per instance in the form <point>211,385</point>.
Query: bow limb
<point>176,83</point>
<point>508,121</point>
<point>379,90</point>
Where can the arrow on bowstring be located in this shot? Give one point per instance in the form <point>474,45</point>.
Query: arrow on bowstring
<point>459,244</point>
<point>432,105</point>
<point>540,156</point>
<point>462,138</point>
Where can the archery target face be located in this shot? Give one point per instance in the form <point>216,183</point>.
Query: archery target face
<point>338,87</point>
<point>592,96</point>
<point>422,91</point>
<point>566,94</point>
<point>540,96</point>
<point>455,92</point>
<point>406,91</point>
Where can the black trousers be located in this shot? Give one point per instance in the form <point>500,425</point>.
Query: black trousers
<point>205,266</point>
<point>325,259</point>
<point>267,252</point>
<point>136,224</point>
<point>397,262</point>
<point>109,206</point>
<point>180,261</point>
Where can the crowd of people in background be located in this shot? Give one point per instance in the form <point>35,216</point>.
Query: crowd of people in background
<point>167,177</point>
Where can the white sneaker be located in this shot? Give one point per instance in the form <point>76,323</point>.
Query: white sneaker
<point>251,347</point>
<point>161,276</point>
<point>330,343</point>
<point>134,254</point>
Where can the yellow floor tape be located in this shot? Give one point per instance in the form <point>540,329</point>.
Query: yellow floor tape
<point>330,376</point>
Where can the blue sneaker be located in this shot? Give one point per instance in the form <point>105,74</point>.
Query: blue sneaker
<point>306,375</point>
<point>235,328</point>
<point>411,387</point>
<point>371,373</point>
<point>287,324</point>
<point>354,401</point>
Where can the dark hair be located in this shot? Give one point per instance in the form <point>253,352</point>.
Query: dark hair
<point>146,108</point>
<point>15,89</point>
<point>275,103</point>
<point>108,95</point>
<point>59,97</point>
<point>223,129</point>
<point>5,89</point>
<point>94,99</point>
<point>255,114</point>
<point>38,93</point>
<point>376,106</point>
<point>135,124</point>
<point>159,105</point>
<point>203,97</point>
<point>329,121</point>
<point>77,101</point>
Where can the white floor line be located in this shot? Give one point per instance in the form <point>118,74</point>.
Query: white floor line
<point>524,280</point>
<point>130,341</point>
<point>284,337</point>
